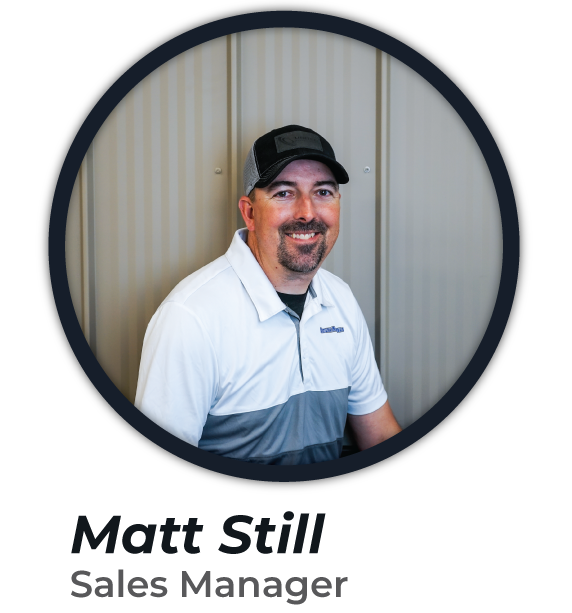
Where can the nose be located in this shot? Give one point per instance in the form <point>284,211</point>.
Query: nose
<point>304,210</point>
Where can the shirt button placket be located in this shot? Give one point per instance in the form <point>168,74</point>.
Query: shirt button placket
<point>305,362</point>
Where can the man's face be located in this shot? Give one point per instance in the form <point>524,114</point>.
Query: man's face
<point>296,218</point>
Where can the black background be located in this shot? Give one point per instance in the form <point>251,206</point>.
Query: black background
<point>426,494</point>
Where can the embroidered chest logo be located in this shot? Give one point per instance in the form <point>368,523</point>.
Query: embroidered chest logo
<point>331,329</point>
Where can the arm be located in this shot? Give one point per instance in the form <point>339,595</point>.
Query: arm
<point>373,428</point>
<point>178,376</point>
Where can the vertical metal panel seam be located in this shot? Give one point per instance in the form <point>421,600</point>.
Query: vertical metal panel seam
<point>198,147</point>
<point>378,247</point>
<point>229,125</point>
<point>131,210</point>
<point>261,91</point>
<point>385,211</point>
<point>165,187</point>
<point>313,84</point>
<point>330,75</point>
<point>90,283</point>
<point>238,146</point>
<point>121,243</point>
<point>83,253</point>
<point>182,164</point>
<point>278,73</point>
<point>346,146</point>
<point>113,300</point>
<point>139,224</point>
<point>148,200</point>
<point>233,150</point>
<point>296,98</point>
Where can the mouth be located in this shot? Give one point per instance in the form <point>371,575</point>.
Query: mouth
<point>303,237</point>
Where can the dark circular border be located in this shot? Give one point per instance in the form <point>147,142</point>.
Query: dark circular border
<point>335,25</point>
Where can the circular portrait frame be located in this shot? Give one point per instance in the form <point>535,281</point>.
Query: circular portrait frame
<point>376,39</point>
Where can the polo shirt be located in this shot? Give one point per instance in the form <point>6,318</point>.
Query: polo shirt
<point>227,367</point>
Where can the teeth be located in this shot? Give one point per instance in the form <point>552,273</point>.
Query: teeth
<point>304,237</point>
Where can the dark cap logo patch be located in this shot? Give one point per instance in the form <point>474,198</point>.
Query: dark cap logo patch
<point>297,140</point>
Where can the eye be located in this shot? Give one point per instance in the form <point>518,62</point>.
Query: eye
<point>324,192</point>
<point>282,194</point>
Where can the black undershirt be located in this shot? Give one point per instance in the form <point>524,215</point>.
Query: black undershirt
<point>294,301</point>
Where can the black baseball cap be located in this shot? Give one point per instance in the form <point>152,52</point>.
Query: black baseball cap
<point>271,153</point>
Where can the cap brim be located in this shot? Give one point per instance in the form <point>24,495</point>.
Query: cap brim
<point>271,173</point>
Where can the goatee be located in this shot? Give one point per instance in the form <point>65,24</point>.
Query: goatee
<point>299,257</point>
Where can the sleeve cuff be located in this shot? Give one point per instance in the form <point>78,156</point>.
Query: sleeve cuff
<point>368,407</point>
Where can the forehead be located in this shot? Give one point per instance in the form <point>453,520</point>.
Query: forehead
<point>311,170</point>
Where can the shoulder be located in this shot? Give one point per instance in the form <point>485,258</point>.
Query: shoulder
<point>336,290</point>
<point>211,295</point>
<point>206,285</point>
<point>330,280</point>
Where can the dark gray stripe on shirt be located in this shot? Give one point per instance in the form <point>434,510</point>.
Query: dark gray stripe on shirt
<point>308,428</point>
<point>296,321</point>
<point>308,455</point>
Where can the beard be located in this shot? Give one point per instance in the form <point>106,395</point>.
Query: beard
<point>299,257</point>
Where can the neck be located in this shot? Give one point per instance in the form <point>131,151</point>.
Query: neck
<point>283,280</point>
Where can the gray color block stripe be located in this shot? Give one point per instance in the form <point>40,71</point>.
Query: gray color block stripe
<point>296,321</point>
<point>309,455</point>
<point>307,428</point>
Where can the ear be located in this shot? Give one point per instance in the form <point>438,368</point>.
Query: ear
<point>247,211</point>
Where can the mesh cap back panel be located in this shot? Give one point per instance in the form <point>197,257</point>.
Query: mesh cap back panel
<point>251,176</point>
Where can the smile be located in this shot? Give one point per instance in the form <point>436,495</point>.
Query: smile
<point>303,237</point>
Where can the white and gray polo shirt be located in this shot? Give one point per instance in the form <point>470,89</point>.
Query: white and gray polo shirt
<point>227,367</point>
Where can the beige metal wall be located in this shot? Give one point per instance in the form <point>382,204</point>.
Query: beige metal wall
<point>420,242</point>
<point>327,83</point>
<point>441,242</point>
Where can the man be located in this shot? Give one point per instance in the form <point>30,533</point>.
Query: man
<point>261,355</point>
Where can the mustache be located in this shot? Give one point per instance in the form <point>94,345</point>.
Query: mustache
<point>300,227</point>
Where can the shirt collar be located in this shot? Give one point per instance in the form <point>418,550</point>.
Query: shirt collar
<point>257,284</point>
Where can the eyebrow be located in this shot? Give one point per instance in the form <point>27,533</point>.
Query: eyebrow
<point>276,184</point>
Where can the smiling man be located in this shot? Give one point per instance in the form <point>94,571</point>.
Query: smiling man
<point>261,355</point>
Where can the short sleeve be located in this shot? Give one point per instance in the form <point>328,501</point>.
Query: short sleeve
<point>367,393</point>
<point>178,375</point>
